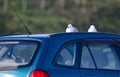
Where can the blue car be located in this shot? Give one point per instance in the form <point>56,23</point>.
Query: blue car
<point>72,54</point>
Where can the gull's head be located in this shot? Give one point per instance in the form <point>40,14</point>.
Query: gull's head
<point>92,27</point>
<point>70,25</point>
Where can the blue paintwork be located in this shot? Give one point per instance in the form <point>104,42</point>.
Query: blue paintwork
<point>23,72</point>
<point>49,47</point>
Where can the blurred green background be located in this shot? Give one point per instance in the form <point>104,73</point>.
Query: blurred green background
<point>51,16</point>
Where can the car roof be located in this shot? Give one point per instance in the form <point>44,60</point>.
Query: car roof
<point>71,34</point>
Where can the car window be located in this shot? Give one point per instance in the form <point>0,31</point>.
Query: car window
<point>86,59</point>
<point>104,54</point>
<point>16,53</point>
<point>67,55</point>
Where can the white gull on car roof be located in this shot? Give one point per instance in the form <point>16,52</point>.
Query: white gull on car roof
<point>92,29</point>
<point>70,28</point>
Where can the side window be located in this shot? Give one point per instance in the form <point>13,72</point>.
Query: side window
<point>67,55</point>
<point>105,56</point>
<point>99,53</point>
<point>86,59</point>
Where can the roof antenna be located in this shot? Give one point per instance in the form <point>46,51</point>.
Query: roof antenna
<point>28,31</point>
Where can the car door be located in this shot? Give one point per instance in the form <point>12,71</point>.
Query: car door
<point>99,58</point>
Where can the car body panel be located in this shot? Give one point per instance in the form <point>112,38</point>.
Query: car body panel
<point>15,73</point>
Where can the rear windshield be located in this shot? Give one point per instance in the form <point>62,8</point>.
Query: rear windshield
<point>16,53</point>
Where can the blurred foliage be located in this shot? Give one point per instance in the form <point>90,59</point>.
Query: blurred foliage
<point>50,16</point>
